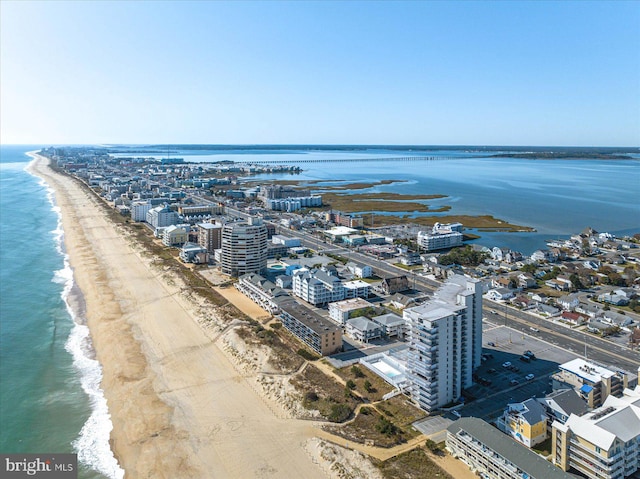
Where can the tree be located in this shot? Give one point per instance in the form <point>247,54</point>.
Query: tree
<point>386,427</point>
<point>356,371</point>
<point>368,387</point>
<point>529,268</point>
<point>576,283</point>
<point>351,384</point>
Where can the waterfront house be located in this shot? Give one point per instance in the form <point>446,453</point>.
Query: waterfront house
<point>362,329</point>
<point>391,324</point>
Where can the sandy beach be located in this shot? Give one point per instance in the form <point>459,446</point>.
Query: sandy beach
<point>179,407</point>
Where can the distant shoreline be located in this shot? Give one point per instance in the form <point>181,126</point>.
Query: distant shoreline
<point>563,156</point>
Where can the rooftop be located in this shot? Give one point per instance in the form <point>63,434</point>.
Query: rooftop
<point>587,370</point>
<point>523,458</point>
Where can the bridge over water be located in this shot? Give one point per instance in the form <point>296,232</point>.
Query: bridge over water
<point>348,160</point>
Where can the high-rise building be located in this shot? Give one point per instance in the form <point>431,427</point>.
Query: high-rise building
<point>445,335</point>
<point>244,247</point>
<point>210,236</point>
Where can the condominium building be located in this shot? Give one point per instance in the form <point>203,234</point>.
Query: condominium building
<point>593,382</point>
<point>320,334</point>
<point>430,241</point>
<point>445,342</point>
<point>604,443</point>
<point>494,455</point>
<point>317,287</point>
<point>262,291</point>
<point>244,247</point>
<point>139,210</point>
<point>210,236</point>
<point>161,216</point>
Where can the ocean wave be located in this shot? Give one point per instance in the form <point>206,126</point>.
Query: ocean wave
<point>92,443</point>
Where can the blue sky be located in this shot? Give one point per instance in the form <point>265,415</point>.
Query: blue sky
<point>448,73</point>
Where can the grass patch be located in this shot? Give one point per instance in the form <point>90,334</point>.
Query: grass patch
<point>401,411</point>
<point>544,447</point>
<point>377,386</point>
<point>414,464</point>
<point>324,394</point>
<point>370,425</point>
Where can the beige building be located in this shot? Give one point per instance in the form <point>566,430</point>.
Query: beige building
<point>602,444</point>
<point>210,236</point>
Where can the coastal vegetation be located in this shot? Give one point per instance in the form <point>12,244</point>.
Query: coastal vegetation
<point>465,256</point>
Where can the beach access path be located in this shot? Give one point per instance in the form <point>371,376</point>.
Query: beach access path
<point>178,406</point>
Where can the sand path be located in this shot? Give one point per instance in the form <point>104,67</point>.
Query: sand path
<point>178,406</point>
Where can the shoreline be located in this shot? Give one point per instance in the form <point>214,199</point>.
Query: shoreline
<point>178,405</point>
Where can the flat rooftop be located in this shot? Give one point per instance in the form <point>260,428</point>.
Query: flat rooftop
<point>587,370</point>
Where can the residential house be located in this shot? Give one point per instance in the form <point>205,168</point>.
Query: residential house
<point>359,270</point>
<point>391,324</point>
<point>616,319</point>
<point>562,403</point>
<point>573,318</point>
<point>568,302</point>
<point>500,294</point>
<point>395,284</point>
<point>526,280</point>
<point>525,421</point>
<point>362,329</point>
<point>194,253</point>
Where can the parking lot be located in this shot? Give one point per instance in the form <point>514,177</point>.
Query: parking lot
<point>505,345</point>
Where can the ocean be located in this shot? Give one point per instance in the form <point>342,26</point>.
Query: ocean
<point>50,397</point>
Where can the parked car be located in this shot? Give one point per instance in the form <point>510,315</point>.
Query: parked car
<point>513,382</point>
<point>491,370</point>
<point>525,358</point>
<point>529,377</point>
<point>529,354</point>
<point>535,330</point>
<point>492,344</point>
<point>506,364</point>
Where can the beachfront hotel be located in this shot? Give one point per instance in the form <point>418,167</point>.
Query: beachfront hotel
<point>244,247</point>
<point>445,342</point>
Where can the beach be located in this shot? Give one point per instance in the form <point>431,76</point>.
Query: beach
<point>180,408</point>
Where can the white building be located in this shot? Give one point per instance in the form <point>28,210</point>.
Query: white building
<point>359,270</point>
<point>139,210</point>
<point>363,330</point>
<point>441,237</point>
<point>317,287</point>
<point>174,236</point>
<point>285,241</point>
<point>161,216</point>
<point>244,247</point>
<point>391,324</point>
<point>340,311</point>
<point>445,342</point>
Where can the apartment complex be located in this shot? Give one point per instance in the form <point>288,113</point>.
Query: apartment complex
<point>445,342</point>
<point>244,247</point>
<point>494,455</point>
<point>210,236</point>
<point>604,443</point>
<point>320,334</point>
<point>594,383</point>
<point>139,210</point>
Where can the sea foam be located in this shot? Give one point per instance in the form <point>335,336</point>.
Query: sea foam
<point>92,443</point>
